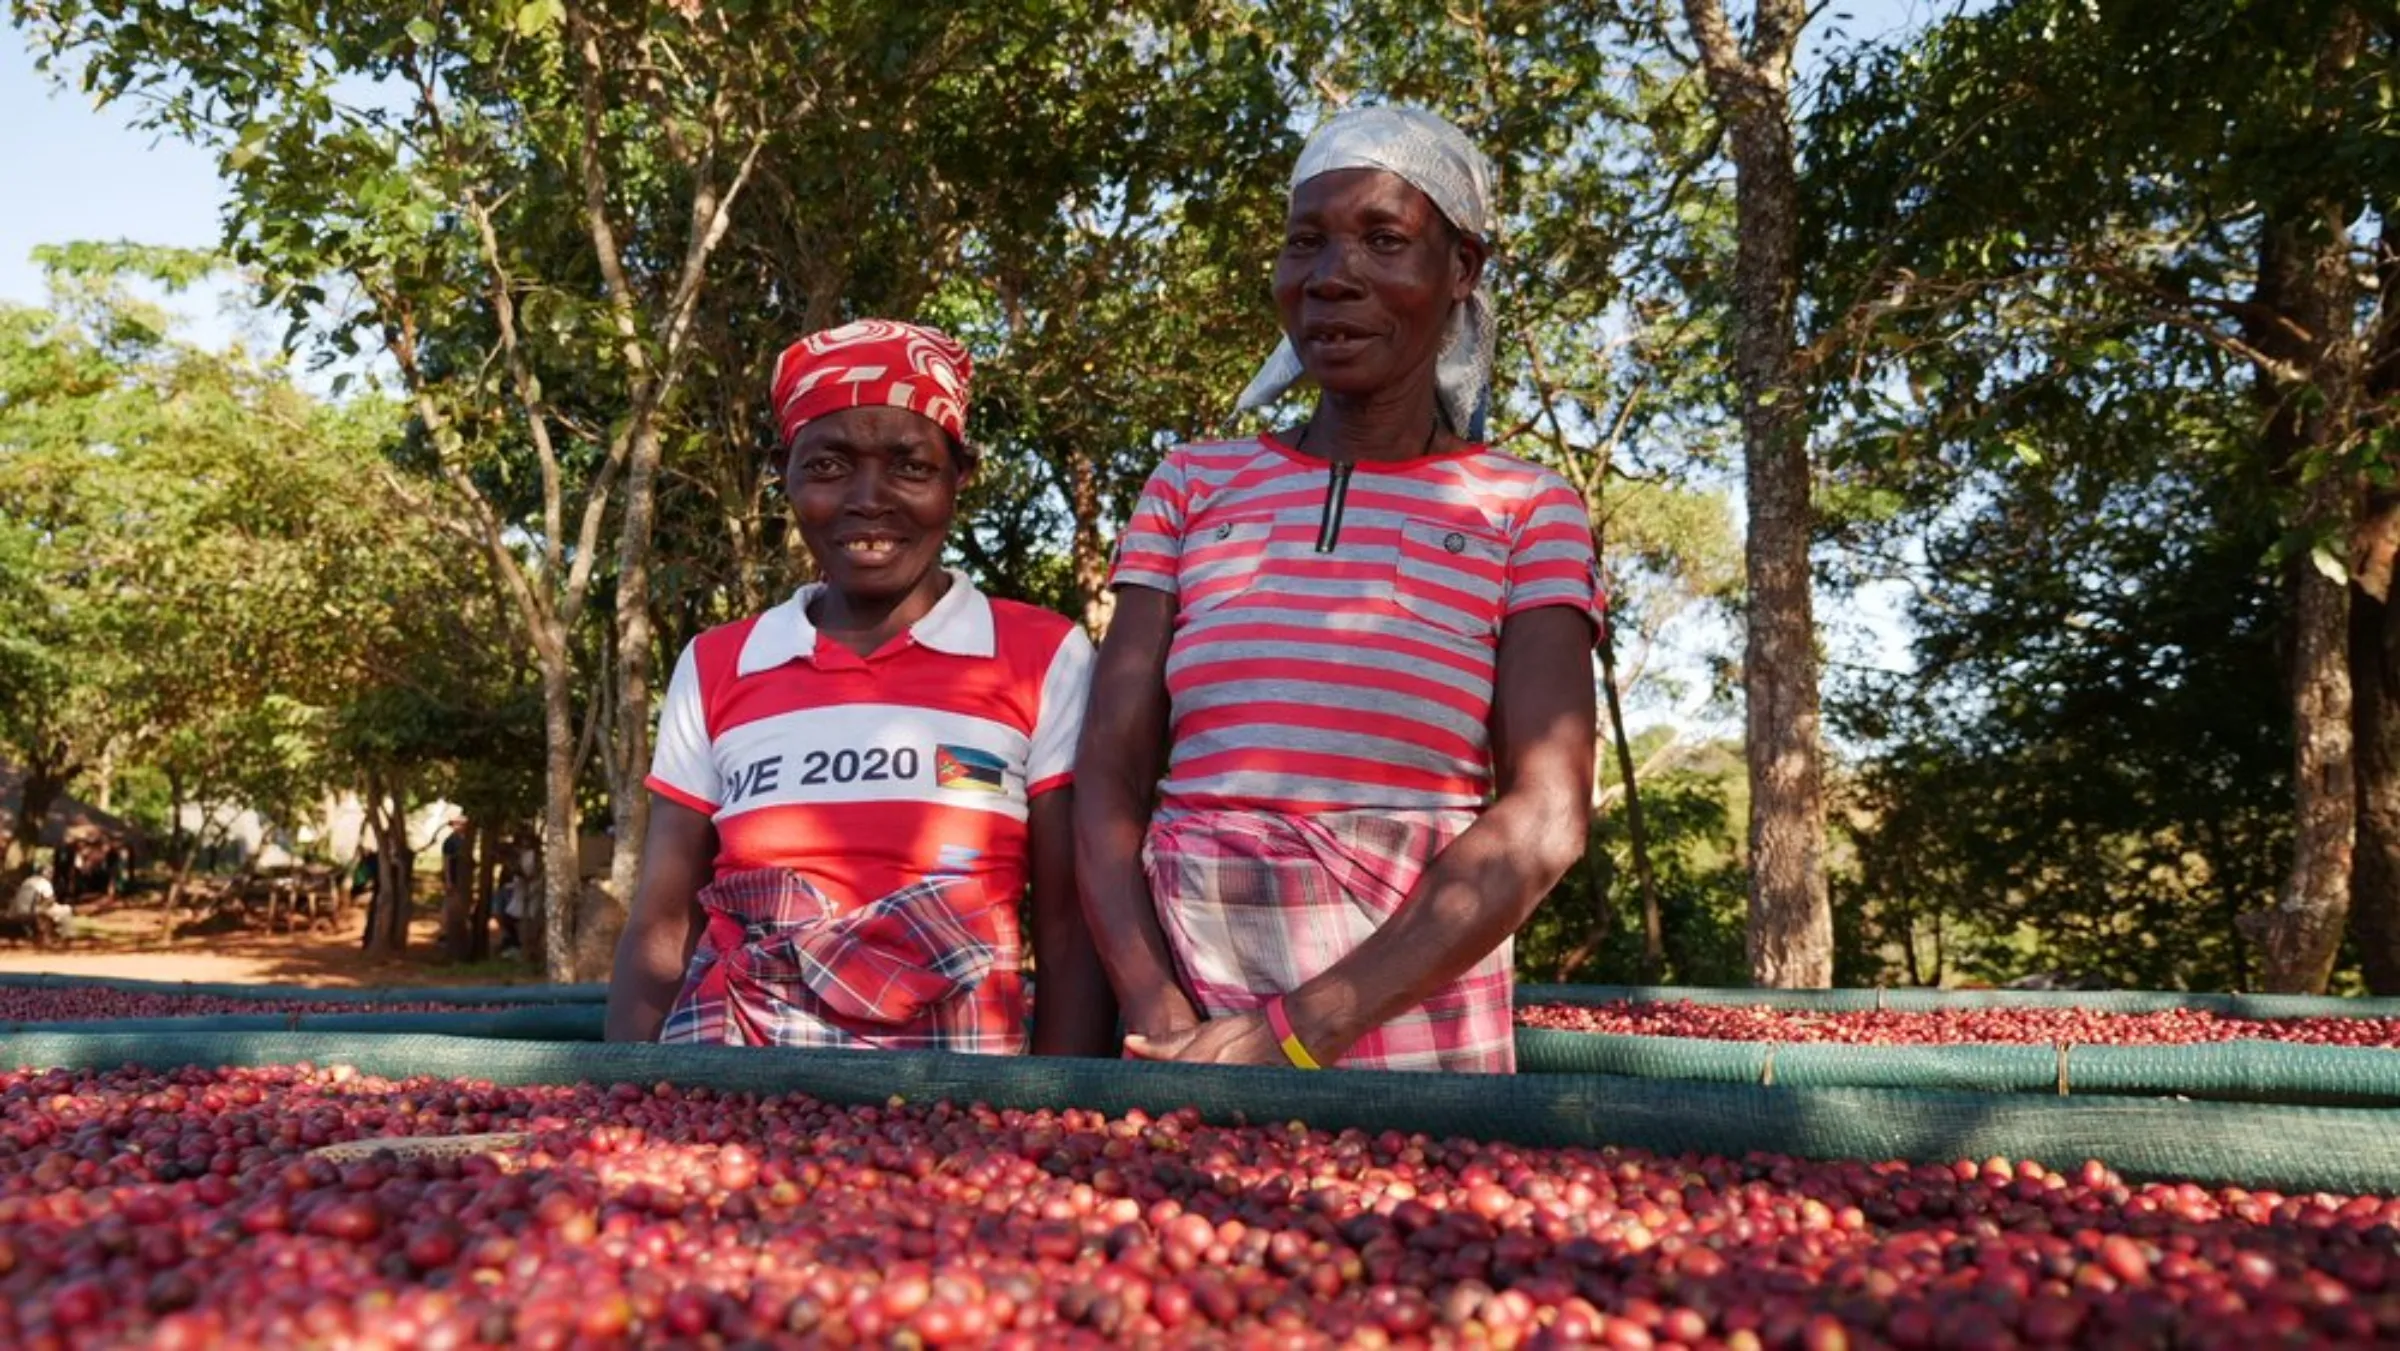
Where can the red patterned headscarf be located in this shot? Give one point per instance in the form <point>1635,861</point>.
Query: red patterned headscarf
<point>873,363</point>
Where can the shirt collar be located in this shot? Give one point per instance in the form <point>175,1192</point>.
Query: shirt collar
<point>960,624</point>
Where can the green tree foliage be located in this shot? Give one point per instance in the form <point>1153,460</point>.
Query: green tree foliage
<point>1693,798</point>
<point>2061,232</point>
<point>197,575</point>
<point>145,487</point>
<point>2085,771</point>
<point>581,231</point>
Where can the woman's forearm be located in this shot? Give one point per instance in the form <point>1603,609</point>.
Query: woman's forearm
<point>1122,916</point>
<point>662,926</point>
<point>1074,1012</point>
<point>1477,893</point>
<point>649,974</point>
<point>1116,774</point>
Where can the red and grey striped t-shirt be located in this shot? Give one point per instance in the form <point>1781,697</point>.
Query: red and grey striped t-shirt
<point>1360,678</point>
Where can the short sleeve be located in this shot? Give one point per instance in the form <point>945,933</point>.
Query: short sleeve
<point>1059,724</point>
<point>681,764</point>
<point>1152,546</point>
<point>1550,559</point>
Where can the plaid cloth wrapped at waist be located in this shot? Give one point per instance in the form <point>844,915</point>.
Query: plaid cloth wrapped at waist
<point>931,967</point>
<point>1255,904</point>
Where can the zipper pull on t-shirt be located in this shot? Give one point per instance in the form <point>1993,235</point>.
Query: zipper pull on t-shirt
<point>1337,490</point>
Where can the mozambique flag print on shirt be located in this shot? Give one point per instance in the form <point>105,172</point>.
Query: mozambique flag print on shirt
<point>969,770</point>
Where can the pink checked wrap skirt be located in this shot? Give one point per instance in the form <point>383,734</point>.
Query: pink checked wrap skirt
<point>1256,903</point>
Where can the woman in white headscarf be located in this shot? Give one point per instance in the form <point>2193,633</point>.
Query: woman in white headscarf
<point>1363,643</point>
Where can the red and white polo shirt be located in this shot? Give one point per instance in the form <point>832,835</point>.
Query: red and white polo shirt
<point>867,774</point>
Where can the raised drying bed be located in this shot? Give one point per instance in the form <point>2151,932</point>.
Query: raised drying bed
<point>2248,1048</point>
<point>285,1206</point>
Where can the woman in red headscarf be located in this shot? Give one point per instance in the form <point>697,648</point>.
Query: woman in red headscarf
<point>851,791</point>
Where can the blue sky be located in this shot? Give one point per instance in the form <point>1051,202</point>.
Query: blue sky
<point>70,172</point>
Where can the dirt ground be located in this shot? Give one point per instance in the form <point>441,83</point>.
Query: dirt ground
<point>124,942</point>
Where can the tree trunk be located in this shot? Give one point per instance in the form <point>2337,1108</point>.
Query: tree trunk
<point>629,800</point>
<point>2375,659</point>
<point>2305,928</point>
<point>562,865</point>
<point>1908,945</point>
<point>2306,276</point>
<point>2306,269</point>
<point>745,535</point>
<point>396,861</point>
<point>104,794</point>
<point>1087,554</point>
<point>175,850</point>
<point>176,887</point>
<point>653,362</point>
<point>374,822</point>
<point>458,898</point>
<point>47,774</point>
<point>202,839</point>
<point>1791,916</point>
<point>1637,835</point>
<point>2375,722</point>
<point>490,859</point>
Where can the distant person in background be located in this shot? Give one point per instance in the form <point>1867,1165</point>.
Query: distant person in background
<point>91,867</point>
<point>510,903</point>
<point>118,858</point>
<point>62,870</point>
<point>32,894</point>
<point>511,913</point>
<point>853,791</point>
<point>528,900</point>
<point>458,856</point>
<point>366,876</point>
<point>35,903</point>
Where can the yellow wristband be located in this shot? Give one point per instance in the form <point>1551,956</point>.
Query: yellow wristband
<point>1281,1024</point>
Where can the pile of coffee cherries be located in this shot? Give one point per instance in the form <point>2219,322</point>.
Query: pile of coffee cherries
<point>203,1207</point>
<point>94,1003</point>
<point>2015,1026</point>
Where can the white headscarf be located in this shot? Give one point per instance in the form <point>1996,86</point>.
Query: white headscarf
<point>1437,160</point>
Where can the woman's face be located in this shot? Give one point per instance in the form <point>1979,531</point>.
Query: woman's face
<point>1368,274</point>
<point>874,489</point>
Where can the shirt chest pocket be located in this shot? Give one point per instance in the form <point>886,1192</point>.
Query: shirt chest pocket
<point>1221,559</point>
<point>1451,577</point>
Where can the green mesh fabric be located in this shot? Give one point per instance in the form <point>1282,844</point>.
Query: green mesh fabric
<point>2238,1144</point>
<point>403,994</point>
<point>531,1022</point>
<point>1911,1000</point>
<point>2244,1071</point>
<point>2241,1071</point>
